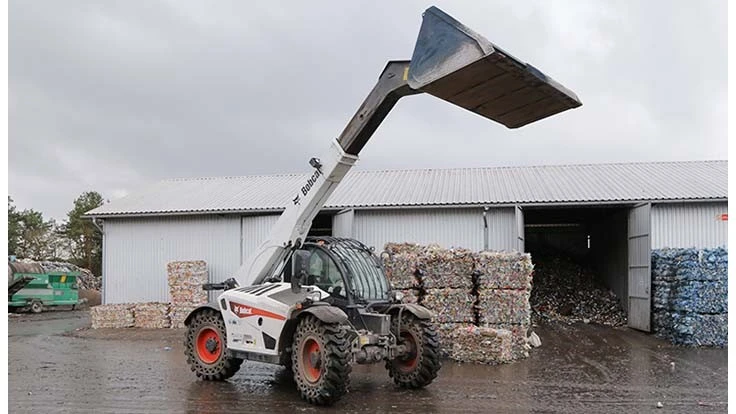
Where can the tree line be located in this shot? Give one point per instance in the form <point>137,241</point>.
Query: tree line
<point>75,240</point>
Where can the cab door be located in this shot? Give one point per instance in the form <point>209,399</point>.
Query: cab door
<point>326,275</point>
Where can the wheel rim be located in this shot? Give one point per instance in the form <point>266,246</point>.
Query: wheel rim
<point>311,360</point>
<point>36,307</point>
<point>209,345</point>
<point>410,360</point>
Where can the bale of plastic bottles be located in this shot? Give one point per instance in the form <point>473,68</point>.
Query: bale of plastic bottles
<point>482,345</point>
<point>118,315</point>
<point>504,270</point>
<point>497,306</point>
<point>185,282</point>
<point>480,299</point>
<point>440,268</point>
<point>690,295</point>
<point>450,305</point>
<point>152,315</point>
<point>692,328</point>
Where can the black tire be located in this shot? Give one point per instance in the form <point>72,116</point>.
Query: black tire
<point>419,367</point>
<point>321,361</point>
<point>286,361</point>
<point>36,307</point>
<point>205,346</point>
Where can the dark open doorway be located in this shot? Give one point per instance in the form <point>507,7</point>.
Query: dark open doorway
<point>579,248</point>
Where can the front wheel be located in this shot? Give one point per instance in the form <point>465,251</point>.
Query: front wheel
<point>321,360</point>
<point>419,366</point>
<point>206,347</point>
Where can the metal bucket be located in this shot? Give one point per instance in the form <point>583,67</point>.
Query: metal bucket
<point>454,63</point>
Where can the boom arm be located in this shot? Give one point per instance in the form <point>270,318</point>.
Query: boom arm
<point>450,62</point>
<point>293,225</point>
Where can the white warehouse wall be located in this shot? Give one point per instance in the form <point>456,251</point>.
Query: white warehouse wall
<point>448,227</point>
<point>696,225</point>
<point>136,251</point>
<point>502,229</point>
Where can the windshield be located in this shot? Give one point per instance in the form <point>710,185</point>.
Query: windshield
<point>368,281</point>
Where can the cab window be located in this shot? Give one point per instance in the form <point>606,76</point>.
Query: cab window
<point>324,273</point>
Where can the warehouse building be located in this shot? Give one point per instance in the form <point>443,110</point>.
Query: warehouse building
<point>610,214</point>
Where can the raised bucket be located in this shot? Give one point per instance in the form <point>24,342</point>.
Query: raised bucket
<point>454,63</point>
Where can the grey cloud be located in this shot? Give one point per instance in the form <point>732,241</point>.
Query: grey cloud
<point>112,95</point>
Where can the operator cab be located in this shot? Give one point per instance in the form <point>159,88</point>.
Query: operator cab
<point>344,268</point>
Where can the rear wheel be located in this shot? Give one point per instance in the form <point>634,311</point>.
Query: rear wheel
<point>321,360</point>
<point>419,366</point>
<point>206,347</point>
<point>36,306</point>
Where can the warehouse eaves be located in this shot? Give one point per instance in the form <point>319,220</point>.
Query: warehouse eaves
<point>553,184</point>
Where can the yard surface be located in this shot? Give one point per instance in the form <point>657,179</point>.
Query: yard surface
<point>56,364</point>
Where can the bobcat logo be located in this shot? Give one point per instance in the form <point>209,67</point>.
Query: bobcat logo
<point>241,310</point>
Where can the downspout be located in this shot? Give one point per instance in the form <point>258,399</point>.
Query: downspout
<point>485,228</point>
<point>98,225</point>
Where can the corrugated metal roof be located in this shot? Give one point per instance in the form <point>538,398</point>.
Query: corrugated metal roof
<point>629,182</point>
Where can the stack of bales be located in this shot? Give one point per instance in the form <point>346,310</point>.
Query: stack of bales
<point>185,287</point>
<point>446,281</point>
<point>504,283</point>
<point>690,289</point>
<point>118,315</point>
<point>480,300</point>
<point>153,315</point>
<point>400,265</point>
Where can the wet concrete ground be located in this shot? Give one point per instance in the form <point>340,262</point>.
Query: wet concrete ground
<point>578,369</point>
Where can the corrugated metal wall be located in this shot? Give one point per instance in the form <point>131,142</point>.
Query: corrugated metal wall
<point>502,229</point>
<point>689,225</point>
<point>342,223</point>
<point>137,251</point>
<point>446,227</point>
<point>255,231</point>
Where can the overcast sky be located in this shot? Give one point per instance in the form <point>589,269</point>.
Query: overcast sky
<point>112,95</point>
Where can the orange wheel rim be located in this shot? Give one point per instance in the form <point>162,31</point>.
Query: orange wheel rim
<point>409,362</point>
<point>209,345</point>
<point>312,360</point>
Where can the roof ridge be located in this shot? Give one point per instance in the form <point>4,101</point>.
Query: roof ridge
<point>518,167</point>
<point>506,167</point>
<point>230,177</point>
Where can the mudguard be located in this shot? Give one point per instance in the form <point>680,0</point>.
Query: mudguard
<point>321,311</point>
<point>325,313</point>
<point>417,310</point>
<point>211,305</point>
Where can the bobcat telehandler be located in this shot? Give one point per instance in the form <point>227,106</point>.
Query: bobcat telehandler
<point>319,305</point>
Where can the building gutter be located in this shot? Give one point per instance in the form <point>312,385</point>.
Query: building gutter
<point>620,203</point>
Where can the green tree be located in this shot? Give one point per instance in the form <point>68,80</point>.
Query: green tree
<point>34,232</point>
<point>84,237</point>
<point>13,227</point>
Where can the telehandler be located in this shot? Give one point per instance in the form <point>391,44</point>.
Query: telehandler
<point>317,305</point>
